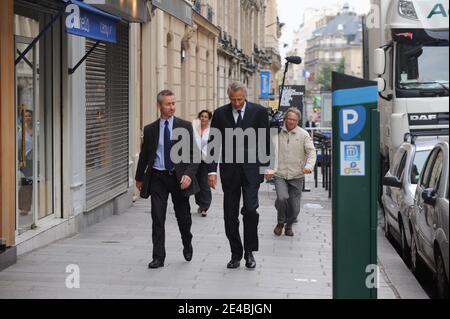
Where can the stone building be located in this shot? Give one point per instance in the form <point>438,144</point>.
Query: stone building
<point>336,39</point>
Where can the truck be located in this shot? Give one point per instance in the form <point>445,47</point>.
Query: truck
<point>406,48</point>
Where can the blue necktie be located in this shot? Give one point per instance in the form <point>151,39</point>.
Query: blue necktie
<point>167,146</point>
<point>239,119</point>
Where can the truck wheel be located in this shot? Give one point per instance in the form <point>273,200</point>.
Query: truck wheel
<point>441,278</point>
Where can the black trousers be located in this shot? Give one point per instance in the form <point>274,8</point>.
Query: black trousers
<point>161,186</point>
<point>204,197</point>
<point>232,195</point>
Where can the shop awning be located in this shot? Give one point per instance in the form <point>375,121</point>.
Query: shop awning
<point>81,19</point>
<point>87,21</point>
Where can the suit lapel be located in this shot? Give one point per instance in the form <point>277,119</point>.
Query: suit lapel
<point>156,134</point>
<point>229,115</point>
<point>248,115</point>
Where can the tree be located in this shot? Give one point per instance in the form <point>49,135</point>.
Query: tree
<point>340,68</point>
<point>324,76</point>
<point>325,73</point>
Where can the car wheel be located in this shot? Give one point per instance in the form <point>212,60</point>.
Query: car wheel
<point>441,278</point>
<point>415,259</point>
<point>387,230</point>
<point>406,252</point>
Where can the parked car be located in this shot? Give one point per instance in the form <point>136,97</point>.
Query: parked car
<point>429,219</point>
<point>399,188</point>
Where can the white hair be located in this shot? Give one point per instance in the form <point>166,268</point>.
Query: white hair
<point>295,111</point>
<point>237,86</point>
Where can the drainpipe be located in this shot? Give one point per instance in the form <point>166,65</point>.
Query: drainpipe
<point>160,53</point>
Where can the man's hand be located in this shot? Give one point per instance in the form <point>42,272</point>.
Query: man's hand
<point>269,174</point>
<point>307,171</point>
<point>212,181</point>
<point>139,185</point>
<point>185,182</point>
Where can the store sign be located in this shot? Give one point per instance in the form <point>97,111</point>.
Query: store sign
<point>264,79</point>
<point>87,21</point>
<point>180,9</point>
<point>353,159</point>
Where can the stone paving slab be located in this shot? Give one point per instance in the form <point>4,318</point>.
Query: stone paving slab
<point>113,257</point>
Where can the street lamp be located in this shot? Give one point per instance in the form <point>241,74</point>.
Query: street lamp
<point>293,60</point>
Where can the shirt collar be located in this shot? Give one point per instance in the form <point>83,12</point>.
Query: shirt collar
<point>242,110</point>
<point>163,122</point>
<point>294,131</point>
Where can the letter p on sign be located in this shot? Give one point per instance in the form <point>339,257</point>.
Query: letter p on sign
<point>350,117</point>
<point>351,122</point>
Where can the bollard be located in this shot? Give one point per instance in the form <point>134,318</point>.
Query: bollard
<point>315,175</point>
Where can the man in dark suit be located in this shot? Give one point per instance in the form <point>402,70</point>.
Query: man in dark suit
<point>165,177</point>
<point>240,177</point>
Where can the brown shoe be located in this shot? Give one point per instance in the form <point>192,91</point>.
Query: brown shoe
<point>278,229</point>
<point>288,232</point>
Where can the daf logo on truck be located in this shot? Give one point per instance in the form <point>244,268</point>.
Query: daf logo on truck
<point>423,119</point>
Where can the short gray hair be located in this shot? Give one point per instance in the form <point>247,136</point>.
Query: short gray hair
<point>163,94</point>
<point>295,111</point>
<point>237,86</point>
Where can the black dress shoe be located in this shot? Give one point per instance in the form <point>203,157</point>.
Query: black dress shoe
<point>233,264</point>
<point>156,264</point>
<point>249,260</point>
<point>187,252</point>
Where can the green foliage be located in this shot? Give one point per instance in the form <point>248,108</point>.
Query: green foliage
<point>325,72</point>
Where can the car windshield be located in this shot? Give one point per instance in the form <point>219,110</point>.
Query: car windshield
<point>418,163</point>
<point>424,67</point>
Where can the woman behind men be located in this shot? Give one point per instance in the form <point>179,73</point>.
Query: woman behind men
<point>201,132</point>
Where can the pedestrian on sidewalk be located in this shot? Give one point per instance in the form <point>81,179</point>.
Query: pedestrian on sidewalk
<point>296,157</point>
<point>239,176</point>
<point>158,176</point>
<point>201,131</point>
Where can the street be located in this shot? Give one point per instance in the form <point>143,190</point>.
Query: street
<point>112,257</point>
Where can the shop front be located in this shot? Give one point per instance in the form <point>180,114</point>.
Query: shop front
<point>37,69</point>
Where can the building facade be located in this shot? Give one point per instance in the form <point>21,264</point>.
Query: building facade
<point>337,39</point>
<point>298,74</point>
<point>65,112</point>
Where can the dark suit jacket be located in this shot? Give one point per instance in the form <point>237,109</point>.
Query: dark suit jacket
<point>255,117</point>
<point>148,155</point>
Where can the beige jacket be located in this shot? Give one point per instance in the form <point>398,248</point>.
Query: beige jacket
<point>295,150</point>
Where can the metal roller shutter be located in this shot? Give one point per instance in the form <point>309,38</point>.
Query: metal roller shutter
<point>107,120</point>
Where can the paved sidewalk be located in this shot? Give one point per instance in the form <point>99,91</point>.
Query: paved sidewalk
<point>113,255</point>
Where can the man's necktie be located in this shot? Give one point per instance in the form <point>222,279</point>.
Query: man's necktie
<point>239,119</point>
<point>167,147</point>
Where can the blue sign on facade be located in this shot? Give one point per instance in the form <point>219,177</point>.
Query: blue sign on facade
<point>87,21</point>
<point>264,83</point>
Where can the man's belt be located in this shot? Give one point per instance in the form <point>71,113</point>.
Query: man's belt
<point>164,173</point>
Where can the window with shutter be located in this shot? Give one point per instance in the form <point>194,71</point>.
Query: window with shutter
<point>107,119</point>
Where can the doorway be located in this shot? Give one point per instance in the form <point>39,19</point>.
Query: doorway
<point>36,84</point>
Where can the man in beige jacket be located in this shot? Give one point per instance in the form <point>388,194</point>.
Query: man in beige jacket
<point>296,158</point>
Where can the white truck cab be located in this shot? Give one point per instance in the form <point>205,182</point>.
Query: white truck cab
<point>407,43</point>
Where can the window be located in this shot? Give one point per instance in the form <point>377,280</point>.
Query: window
<point>419,161</point>
<point>401,167</point>
<point>436,172</point>
<point>428,168</point>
